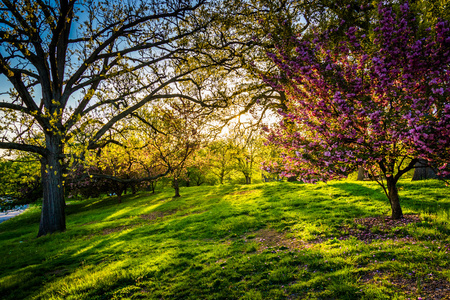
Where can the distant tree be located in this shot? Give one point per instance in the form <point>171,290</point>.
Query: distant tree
<point>246,150</point>
<point>181,130</point>
<point>220,158</point>
<point>377,100</point>
<point>199,168</point>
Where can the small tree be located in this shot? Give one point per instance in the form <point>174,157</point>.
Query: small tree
<point>221,159</point>
<point>175,130</point>
<point>374,100</point>
<point>199,169</point>
<point>246,149</point>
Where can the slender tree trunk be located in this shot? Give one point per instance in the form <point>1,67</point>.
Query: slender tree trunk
<point>248,179</point>
<point>53,218</point>
<point>393,198</point>
<point>176,186</point>
<point>222,175</point>
<point>361,172</point>
<point>151,186</point>
<point>119,191</point>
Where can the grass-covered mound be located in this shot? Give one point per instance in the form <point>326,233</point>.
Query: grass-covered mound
<point>263,241</point>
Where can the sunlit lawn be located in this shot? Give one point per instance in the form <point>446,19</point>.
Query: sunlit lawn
<point>262,241</point>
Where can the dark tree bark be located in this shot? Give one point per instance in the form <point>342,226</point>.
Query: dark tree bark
<point>119,191</point>
<point>390,188</point>
<point>248,179</point>
<point>176,187</point>
<point>393,198</point>
<point>53,216</point>
<point>222,176</point>
<point>152,186</point>
<point>423,171</point>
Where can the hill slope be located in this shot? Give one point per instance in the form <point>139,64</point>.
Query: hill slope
<point>263,241</point>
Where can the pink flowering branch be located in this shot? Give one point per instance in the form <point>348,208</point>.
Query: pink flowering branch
<point>369,101</point>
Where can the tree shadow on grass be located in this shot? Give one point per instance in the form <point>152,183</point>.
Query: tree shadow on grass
<point>171,245</point>
<point>375,193</point>
<point>322,204</point>
<point>106,202</point>
<point>432,198</point>
<point>107,250</point>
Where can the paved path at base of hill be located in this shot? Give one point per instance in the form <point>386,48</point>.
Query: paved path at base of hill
<point>12,213</point>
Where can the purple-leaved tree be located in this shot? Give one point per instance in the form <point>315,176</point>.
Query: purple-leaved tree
<point>380,100</point>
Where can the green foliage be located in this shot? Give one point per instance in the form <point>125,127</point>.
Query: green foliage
<point>275,240</point>
<point>20,179</point>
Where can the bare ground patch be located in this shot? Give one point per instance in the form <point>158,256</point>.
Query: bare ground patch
<point>387,223</point>
<point>413,287</point>
<point>432,288</point>
<point>376,228</point>
<point>57,272</point>
<point>369,229</point>
<point>115,229</point>
<point>158,215</point>
<point>269,238</point>
<point>242,192</point>
<point>381,228</point>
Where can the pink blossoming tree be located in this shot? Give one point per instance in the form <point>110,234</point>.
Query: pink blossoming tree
<point>378,100</point>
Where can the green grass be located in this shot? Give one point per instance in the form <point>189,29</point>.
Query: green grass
<point>262,241</point>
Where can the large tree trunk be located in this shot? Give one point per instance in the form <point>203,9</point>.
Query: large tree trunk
<point>423,171</point>
<point>361,172</point>
<point>176,187</point>
<point>53,217</point>
<point>393,198</point>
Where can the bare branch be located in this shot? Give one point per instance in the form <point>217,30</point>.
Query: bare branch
<point>24,147</point>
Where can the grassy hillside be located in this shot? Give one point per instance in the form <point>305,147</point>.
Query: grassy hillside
<point>263,241</point>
